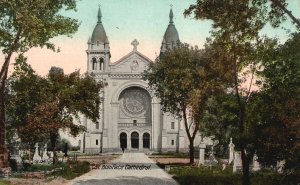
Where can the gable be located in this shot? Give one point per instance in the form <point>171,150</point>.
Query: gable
<point>134,62</point>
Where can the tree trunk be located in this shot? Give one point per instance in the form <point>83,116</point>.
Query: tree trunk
<point>289,13</point>
<point>3,150</point>
<point>3,76</point>
<point>53,137</point>
<point>245,167</point>
<point>192,149</point>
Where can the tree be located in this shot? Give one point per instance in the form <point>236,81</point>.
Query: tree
<point>25,24</point>
<point>236,27</point>
<point>279,108</point>
<point>183,80</point>
<point>39,107</point>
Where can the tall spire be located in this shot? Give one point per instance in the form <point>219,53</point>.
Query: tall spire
<point>171,16</point>
<point>99,15</point>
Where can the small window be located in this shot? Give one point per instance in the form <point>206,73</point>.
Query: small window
<point>97,142</point>
<point>172,125</point>
<point>172,142</point>
<point>134,122</point>
<point>97,125</point>
<point>101,64</point>
<point>97,43</point>
<point>94,62</point>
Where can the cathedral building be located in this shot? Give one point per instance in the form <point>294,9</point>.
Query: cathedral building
<point>130,115</point>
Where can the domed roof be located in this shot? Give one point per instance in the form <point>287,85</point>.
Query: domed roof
<point>171,34</point>
<point>99,32</point>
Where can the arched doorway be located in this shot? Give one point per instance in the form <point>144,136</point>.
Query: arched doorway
<point>146,140</point>
<point>123,140</point>
<point>134,140</point>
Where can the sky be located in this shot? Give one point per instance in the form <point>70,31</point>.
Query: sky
<point>124,21</point>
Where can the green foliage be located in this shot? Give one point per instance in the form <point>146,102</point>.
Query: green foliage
<point>38,106</point>
<point>184,78</point>
<point>26,24</point>
<point>236,29</point>
<point>75,169</point>
<point>43,167</point>
<point>278,128</point>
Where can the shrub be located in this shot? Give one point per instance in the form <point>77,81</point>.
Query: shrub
<point>75,169</point>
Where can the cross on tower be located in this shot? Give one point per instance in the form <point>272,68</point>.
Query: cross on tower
<point>135,43</point>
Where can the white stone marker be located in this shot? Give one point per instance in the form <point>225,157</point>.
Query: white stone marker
<point>256,165</point>
<point>36,156</point>
<point>45,156</point>
<point>237,162</point>
<point>280,166</point>
<point>231,151</point>
<point>202,147</point>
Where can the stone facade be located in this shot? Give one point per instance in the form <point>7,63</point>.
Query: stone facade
<point>131,116</point>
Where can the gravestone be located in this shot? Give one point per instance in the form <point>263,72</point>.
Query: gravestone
<point>256,165</point>
<point>212,159</point>
<point>45,156</point>
<point>202,147</point>
<point>231,151</point>
<point>280,166</point>
<point>36,156</point>
<point>237,162</point>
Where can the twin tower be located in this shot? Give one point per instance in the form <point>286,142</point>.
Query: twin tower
<point>99,49</point>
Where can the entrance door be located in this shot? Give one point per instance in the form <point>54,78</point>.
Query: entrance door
<point>123,140</point>
<point>135,140</point>
<point>146,140</point>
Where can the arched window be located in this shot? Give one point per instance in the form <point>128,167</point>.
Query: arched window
<point>123,140</point>
<point>134,140</point>
<point>94,63</point>
<point>101,64</point>
<point>146,140</point>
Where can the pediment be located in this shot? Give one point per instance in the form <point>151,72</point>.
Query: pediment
<point>134,62</point>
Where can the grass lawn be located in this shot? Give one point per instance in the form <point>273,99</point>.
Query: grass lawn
<point>215,176</point>
<point>4,182</point>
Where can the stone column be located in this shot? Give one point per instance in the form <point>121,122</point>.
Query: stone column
<point>128,141</point>
<point>202,147</point>
<point>140,143</point>
<point>231,151</point>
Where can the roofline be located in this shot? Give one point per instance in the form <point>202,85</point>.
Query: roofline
<point>126,56</point>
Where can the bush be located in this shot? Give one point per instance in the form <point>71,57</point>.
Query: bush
<point>75,169</point>
<point>43,167</point>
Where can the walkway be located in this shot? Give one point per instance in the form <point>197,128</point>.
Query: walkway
<point>128,169</point>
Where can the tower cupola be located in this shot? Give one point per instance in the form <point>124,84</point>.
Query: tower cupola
<point>99,34</point>
<point>171,37</point>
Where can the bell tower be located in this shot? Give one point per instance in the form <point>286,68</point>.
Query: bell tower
<point>98,52</point>
<point>171,37</point>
